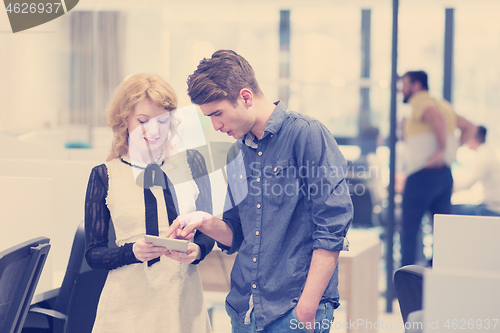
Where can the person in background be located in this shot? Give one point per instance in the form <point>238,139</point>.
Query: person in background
<point>295,208</point>
<point>430,148</point>
<point>486,170</point>
<point>148,289</point>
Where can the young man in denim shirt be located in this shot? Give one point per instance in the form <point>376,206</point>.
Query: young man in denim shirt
<point>288,207</point>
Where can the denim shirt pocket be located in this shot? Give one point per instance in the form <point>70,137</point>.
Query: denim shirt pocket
<point>283,181</point>
<point>238,183</point>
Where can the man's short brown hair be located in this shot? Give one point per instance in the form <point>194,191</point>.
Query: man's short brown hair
<point>221,77</point>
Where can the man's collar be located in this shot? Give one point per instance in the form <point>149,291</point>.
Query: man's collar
<point>276,120</point>
<point>273,125</point>
<point>250,140</point>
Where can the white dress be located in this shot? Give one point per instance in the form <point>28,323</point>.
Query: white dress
<point>167,296</point>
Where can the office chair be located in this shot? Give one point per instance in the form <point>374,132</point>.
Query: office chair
<point>408,281</point>
<point>72,307</point>
<point>362,204</point>
<point>20,269</point>
<point>358,180</point>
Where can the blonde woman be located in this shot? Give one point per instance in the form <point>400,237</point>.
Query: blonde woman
<point>148,289</point>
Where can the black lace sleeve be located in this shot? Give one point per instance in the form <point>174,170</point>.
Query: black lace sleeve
<point>204,201</point>
<point>97,219</point>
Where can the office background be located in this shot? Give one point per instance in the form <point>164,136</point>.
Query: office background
<point>327,59</point>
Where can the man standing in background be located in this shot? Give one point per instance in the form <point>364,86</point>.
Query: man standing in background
<point>430,149</point>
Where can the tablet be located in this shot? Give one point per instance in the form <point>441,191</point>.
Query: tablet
<point>169,243</point>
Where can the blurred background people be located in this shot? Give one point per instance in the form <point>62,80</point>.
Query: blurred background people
<point>430,149</point>
<point>486,170</point>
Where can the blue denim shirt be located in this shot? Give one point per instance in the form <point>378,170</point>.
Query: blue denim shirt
<point>288,197</point>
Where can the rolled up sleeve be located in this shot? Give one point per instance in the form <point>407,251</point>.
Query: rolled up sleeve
<point>331,203</point>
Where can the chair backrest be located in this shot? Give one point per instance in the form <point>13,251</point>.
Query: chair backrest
<point>20,269</point>
<point>361,196</point>
<point>80,289</point>
<point>408,281</point>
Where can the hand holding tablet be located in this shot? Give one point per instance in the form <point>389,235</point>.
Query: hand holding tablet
<point>168,243</point>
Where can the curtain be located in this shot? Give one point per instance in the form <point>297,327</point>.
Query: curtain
<point>97,61</point>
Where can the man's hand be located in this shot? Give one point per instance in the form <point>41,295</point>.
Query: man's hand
<point>193,253</point>
<point>184,225</point>
<point>146,251</point>
<point>467,129</point>
<point>323,264</point>
<point>306,313</point>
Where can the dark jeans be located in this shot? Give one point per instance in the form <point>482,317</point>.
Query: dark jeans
<point>426,190</point>
<point>287,323</point>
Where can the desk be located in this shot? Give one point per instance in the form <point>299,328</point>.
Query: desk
<point>358,276</point>
<point>358,279</point>
<point>461,291</point>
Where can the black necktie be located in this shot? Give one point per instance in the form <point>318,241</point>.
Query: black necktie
<point>154,175</point>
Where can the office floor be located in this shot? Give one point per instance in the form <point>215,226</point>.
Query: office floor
<point>387,322</point>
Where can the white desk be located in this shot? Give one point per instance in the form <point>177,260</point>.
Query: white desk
<point>462,291</point>
<point>358,279</point>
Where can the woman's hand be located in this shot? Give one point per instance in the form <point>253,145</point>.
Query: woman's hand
<point>146,251</point>
<point>193,253</point>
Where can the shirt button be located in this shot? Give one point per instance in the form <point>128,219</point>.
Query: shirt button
<point>275,169</point>
<point>260,153</point>
<point>241,176</point>
<point>272,135</point>
<point>254,259</point>
<point>257,233</point>
<point>258,205</point>
<point>254,286</point>
<point>258,179</point>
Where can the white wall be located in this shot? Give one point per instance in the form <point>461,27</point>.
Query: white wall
<point>34,76</point>
<point>26,213</point>
<point>42,193</point>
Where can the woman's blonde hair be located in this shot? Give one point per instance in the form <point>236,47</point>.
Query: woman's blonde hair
<point>133,90</point>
